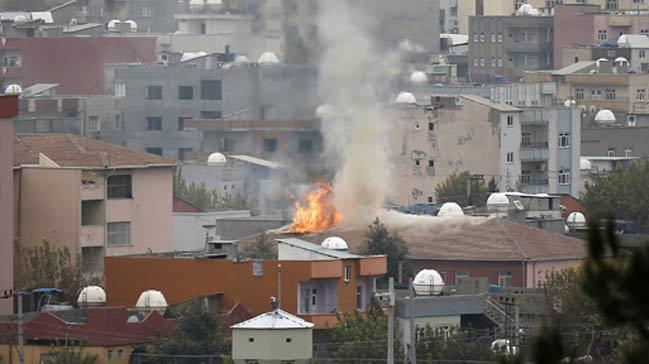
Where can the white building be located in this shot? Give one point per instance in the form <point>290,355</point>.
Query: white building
<point>272,338</point>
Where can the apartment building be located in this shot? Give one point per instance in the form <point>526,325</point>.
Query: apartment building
<point>525,150</point>
<point>501,48</point>
<point>114,197</point>
<point>159,100</point>
<point>318,289</point>
<point>8,110</point>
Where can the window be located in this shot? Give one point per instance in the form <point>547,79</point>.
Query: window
<point>431,163</point>
<point>525,177</point>
<point>156,151</point>
<point>185,92</point>
<point>227,145</point>
<point>314,297</point>
<point>211,115</point>
<point>120,354</point>
<point>500,37</point>
<point>203,28</point>
<point>482,37</point>
<point>475,62</point>
<point>183,152</point>
<point>154,93</point>
<point>120,89</point>
<point>641,54</point>
<point>510,157</point>
<point>493,61</point>
<point>181,122</point>
<point>119,186</point>
<point>270,145</point>
<point>641,94</point>
<point>644,31</point>
<point>288,340</point>
<point>460,275</point>
<point>431,126</point>
<point>305,146</point>
<point>500,62</point>
<point>153,123</point>
<point>417,162</point>
<point>348,273</point>
<point>510,120</point>
<point>610,152</point>
<point>602,35</point>
<point>493,37</point>
<point>210,90</point>
<point>610,94</point>
<point>11,61</point>
<point>482,62</point>
<point>564,140</point>
<point>110,354</point>
<point>596,94</point>
<point>417,126</point>
<point>118,233</point>
<point>564,176</point>
<point>475,37</point>
<point>504,278</point>
<point>628,152</point>
<point>117,122</point>
<point>611,4</point>
<point>579,93</point>
<point>523,36</point>
<point>251,339</point>
<point>526,139</point>
<point>145,12</point>
<point>430,199</point>
<point>359,298</point>
<point>93,123</point>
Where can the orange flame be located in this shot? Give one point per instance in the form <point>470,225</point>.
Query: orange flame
<point>319,213</point>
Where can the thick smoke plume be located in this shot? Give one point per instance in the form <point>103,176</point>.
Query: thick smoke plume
<point>353,75</point>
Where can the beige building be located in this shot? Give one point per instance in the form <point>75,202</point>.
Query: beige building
<point>272,338</point>
<point>95,198</point>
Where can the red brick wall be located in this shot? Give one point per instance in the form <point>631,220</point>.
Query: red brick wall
<point>571,28</point>
<point>475,269</point>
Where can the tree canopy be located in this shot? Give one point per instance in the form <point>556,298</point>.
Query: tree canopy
<point>381,241</point>
<point>261,249</point>
<point>71,356</point>
<point>208,200</point>
<point>623,192</point>
<point>463,189</point>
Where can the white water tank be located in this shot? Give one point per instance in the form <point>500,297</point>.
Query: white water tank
<point>576,220</point>
<point>92,296</point>
<point>418,78</point>
<point>498,201</point>
<point>216,160</point>
<point>604,117</point>
<point>13,89</point>
<point>335,243</point>
<point>450,209</point>
<point>113,25</point>
<point>585,164</point>
<point>132,25</point>
<point>405,98</point>
<point>428,282</point>
<point>324,111</point>
<point>268,58</point>
<point>152,299</point>
<point>241,59</point>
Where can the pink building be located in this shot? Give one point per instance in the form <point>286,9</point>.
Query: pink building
<point>588,25</point>
<point>96,198</point>
<point>8,110</point>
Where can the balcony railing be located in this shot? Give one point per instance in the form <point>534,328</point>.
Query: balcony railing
<point>531,152</point>
<point>91,236</point>
<point>91,190</point>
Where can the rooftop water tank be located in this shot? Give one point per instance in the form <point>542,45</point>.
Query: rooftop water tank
<point>450,209</point>
<point>132,25</point>
<point>498,201</point>
<point>268,58</point>
<point>405,98</point>
<point>418,78</point>
<point>576,220</point>
<point>216,160</point>
<point>428,282</point>
<point>113,25</point>
<point>92,296</point>
<point>605,116</point>
<point>13,89</point>
<point>335,243</point>
<point>152,300</point>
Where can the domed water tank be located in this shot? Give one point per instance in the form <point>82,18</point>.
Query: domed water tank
<point>428,282</point>
<point>450,209</point>
<point>196,5</point>
<point>268,58</point>
<point>335,243</point>
<point>605,116</point>
<point>576,220</point>
<point>241,59</point>
<point>585,164</point>
<point>418,78</point>
<point>20,19</point>
<point>92,296</point>
<point>132,25</point>
<point>405,98</point>
<point>152,300</point>
<point>216,160</point>
<point>13,89</point>
<point>498,201</point>
<point>621,60</point>
<point>621,40</point>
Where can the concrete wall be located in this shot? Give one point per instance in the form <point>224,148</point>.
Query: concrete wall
<point>537,271</point>
<point>596,141</point>
<point>7,215</point>
<point>34,353</point>
<point>188,230</point>
<point>149,211</point>
<point>487,269</point>
<point>403,325</point>
<point>272,345</point>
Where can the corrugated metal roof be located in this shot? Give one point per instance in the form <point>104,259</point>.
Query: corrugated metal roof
<point>38,88</point>
<point>257,161</point>
<point>494,105</point>
<point>274,320</point>
<point>299,243</point>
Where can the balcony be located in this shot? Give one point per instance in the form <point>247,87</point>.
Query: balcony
<point>91,236</point>
<point>91,189</point>
<point>534,117</point>
<point>534,185</point>
<point>533,152</point>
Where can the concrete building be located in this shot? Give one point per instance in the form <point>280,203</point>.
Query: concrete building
<point>159,100</point>
<point>449,21</point>
<point>253,283</point>
<point>114,197</point>
<point>503,47</point>
<point>617,141</point>
<point>8,110</point>
<point>272,338</point>
<point>519,148</point>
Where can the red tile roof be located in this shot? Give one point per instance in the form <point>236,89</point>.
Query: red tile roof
<point>181,205</point>
<point>69,150</point>
<point>470,238</point>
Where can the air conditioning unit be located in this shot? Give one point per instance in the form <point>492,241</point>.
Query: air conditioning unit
<point>631,120</point>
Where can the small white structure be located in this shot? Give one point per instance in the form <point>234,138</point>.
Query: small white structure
<point>272,337</point>
<point>503,347</point>
<point>216,160</point>
<point>605,117</point>
<point>13,89</point>
<point>324,111</point>
<point>241,59</point>
<point>585,164</point>
<point>621,61</point>
<point>405,98</point>
<point>527,10</point>
<point>498,202</point>
<point>92,296</point>
<point>150,300</point>
<point>19,19</point>
<point>196,5</point>
<point>450,209</point>
<point>335,243</point>
<point>113,25</point>
<point>418,78</point>
<point>132,25</point>
<point>214,4</point>
<point>268,58</point>
<point>428,282</point>
<point>576,220</point>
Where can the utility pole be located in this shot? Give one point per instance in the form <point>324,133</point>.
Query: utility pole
<point>279,285</point>
<point>413,332</point>
<point>21,338</point>
<point>391,321</point>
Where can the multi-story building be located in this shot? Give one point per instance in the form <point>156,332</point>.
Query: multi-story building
<point>8,110</point>
<point>632,48</point>
<point>527,150</point>
<point>449,21</point>
<point>503,47</point>
<point>114,197</point>
<point>617,141</point>
<point>159,100</point>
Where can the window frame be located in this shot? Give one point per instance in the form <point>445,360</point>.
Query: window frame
<point>156,96</point>
<point>152,123</point>
<point>505,276</point>
<point>270,145</point>
<point>208,94</point>
<point>182,96</point>
<point>119,190</point>
<point>110,235</point>
<point>347,273</point>
<point>509,157</point>
<point>564,140</point>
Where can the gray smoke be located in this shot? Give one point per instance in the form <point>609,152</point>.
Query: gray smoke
<point>353,75</point>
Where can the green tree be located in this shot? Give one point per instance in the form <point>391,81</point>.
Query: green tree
<point>463,189</point>
<point>197,333</point>
<point>436,344</point>
<point>623,192</point>
<point>208,200</point>
<point>71,356</point>
<point>381,241</point>
<point>48,266</point>
<point>261,249</point>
